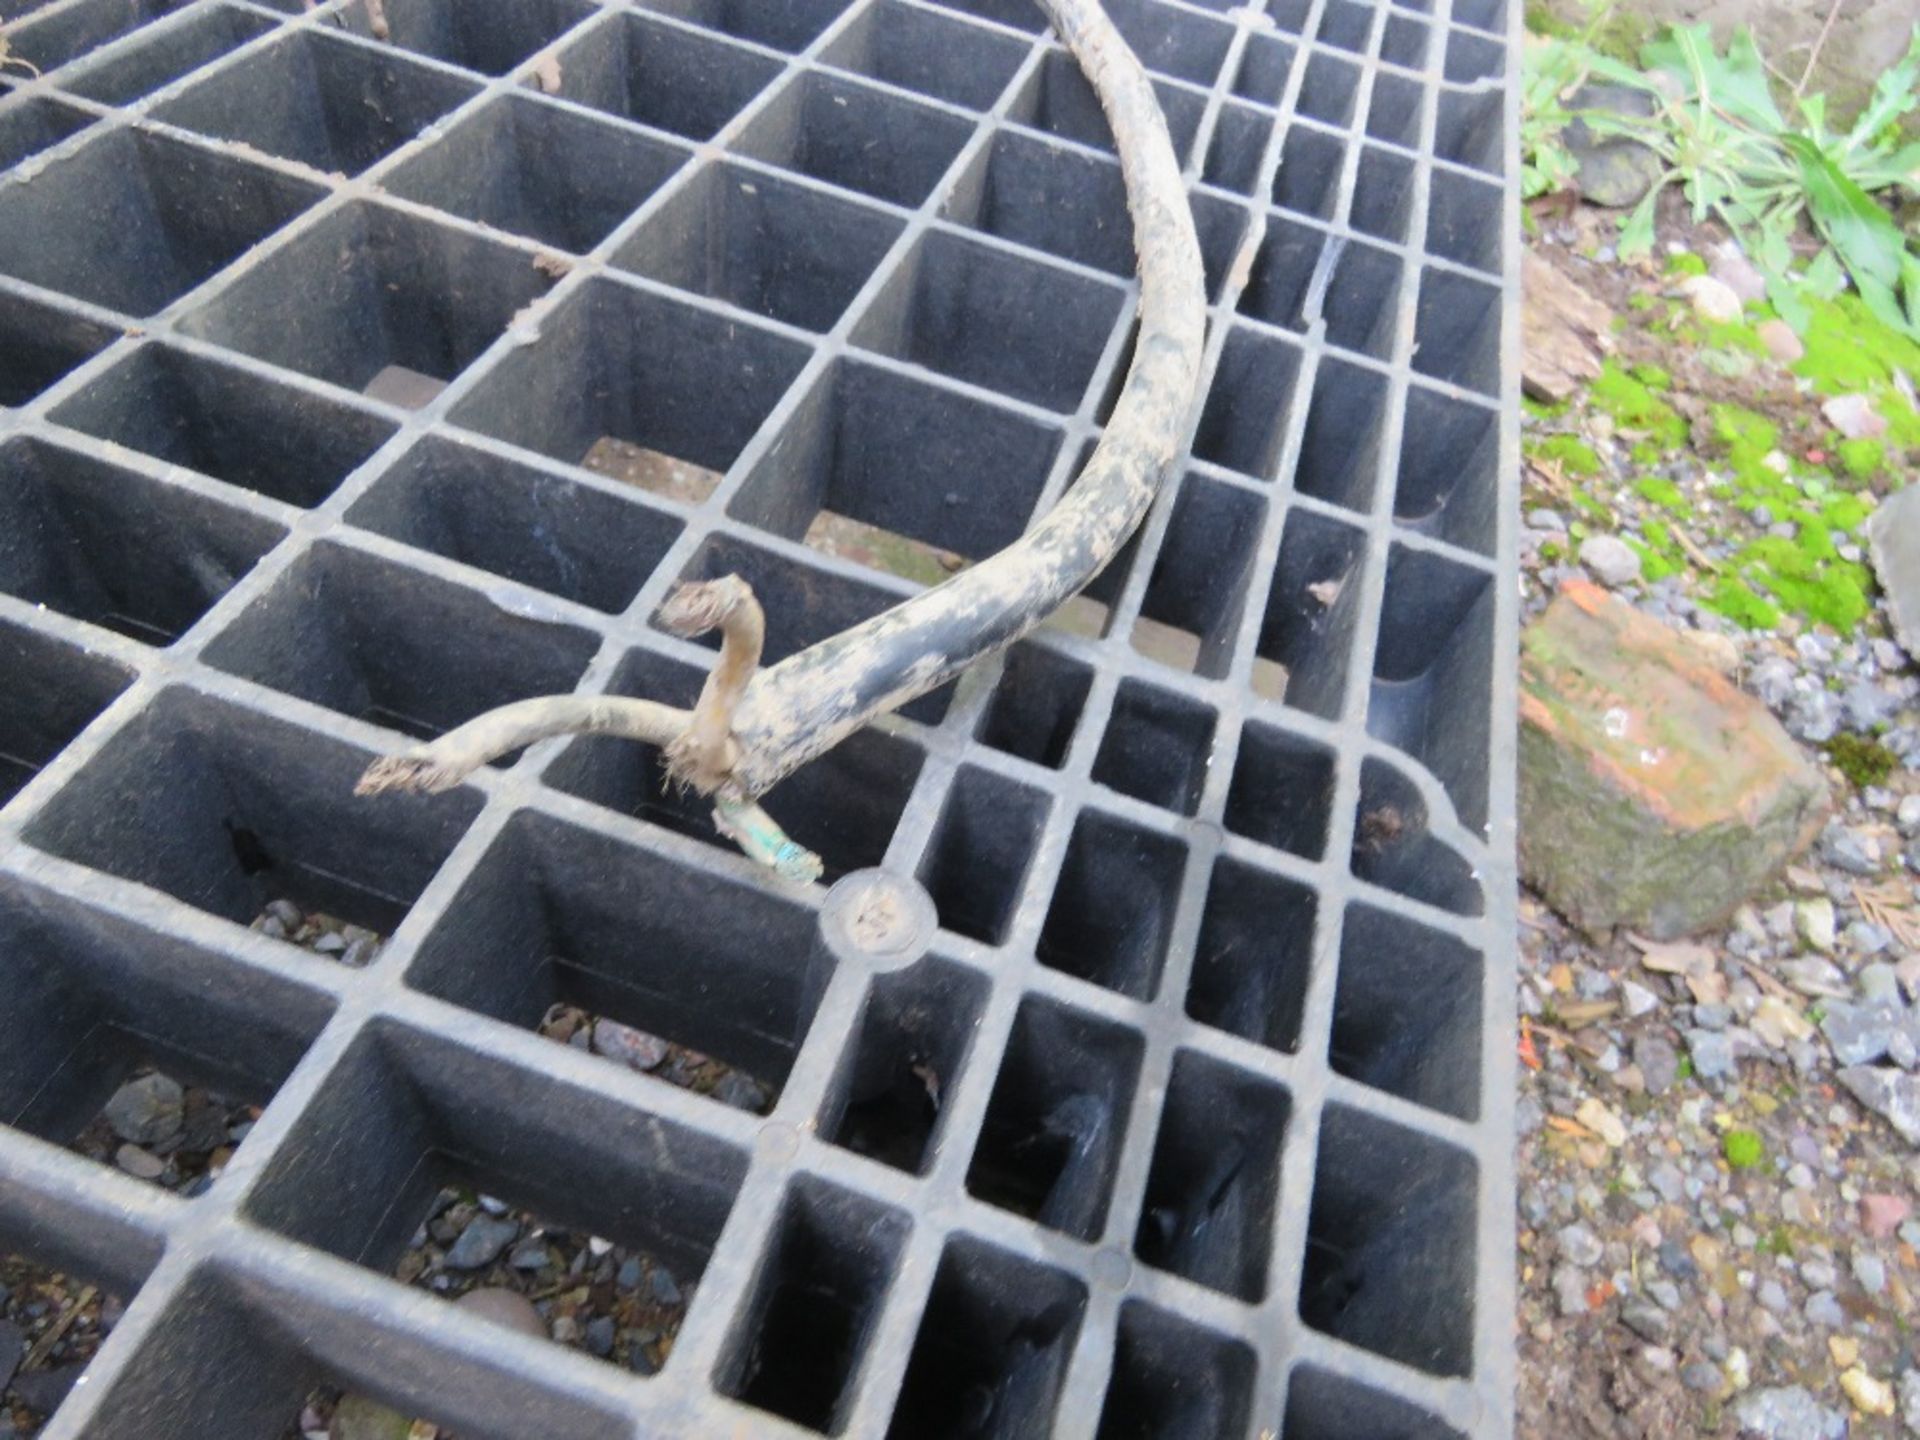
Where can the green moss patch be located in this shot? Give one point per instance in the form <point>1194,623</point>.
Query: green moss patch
<point>1864,762</point>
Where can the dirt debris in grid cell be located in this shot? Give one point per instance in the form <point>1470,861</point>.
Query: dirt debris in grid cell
<point>50,1326</point>
<point>351,945</point>
<point>654,471</point>
<point>177,1136</point>
<point>651,1055</point>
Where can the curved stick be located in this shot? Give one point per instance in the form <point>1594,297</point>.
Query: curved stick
<point>445,761</point>
<point>702,756</point>
<point>811,701</point>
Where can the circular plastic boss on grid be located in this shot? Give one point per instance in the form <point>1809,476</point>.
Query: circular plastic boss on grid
<point>878,918</point>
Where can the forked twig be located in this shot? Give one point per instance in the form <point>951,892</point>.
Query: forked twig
<point>751,728</point>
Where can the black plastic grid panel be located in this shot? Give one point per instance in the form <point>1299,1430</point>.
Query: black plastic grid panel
<point>1220,997</point>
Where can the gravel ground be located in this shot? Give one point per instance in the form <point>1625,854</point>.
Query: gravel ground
<point>1717,1216</point>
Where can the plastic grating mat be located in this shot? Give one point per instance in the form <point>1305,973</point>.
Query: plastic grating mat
<point>358,385</point>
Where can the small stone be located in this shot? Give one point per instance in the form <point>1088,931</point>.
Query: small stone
<point>43,1390</point>
<point>141,1164</point>
<point>1789,1413</point>
<point>1647,1320</point>
<point>1862,1034</point>
<point>1580,1246</point>
<point>1848,850</point>
<point>1910,1400</point>
<point>1713,300</point>
<point>1907,817</point>
<point>1814,922</point>
<point>482,1242</point>
<point>1738,274</point>
<point>505,1307</point>
<point>1703,1376</point>
<point>1658,1061</point>
<point>1819,1275</point>
<point>1823,1310</point>
<point>635,1048</point>
<point>1772,1296</point>
<point>147,1111</point>
<point>1637,999</point>
<point>1868,1395</point>
<point>628,1277</point>
<point>1870,1270</point>
<point>287,913</point>
<point>356,1417</point>
<point>530,1254</point>
<point>741,1092</point>
<point>1844,1349</point>
<point>1599,1118</point>
<point>662,1288</point>
<point>1782,344</point>
<point>1854,416</point>
<point>1613,562</point>
<point>331,943</point>
<point>598,1336</point>
<point>1880,1215</point>
<point>1712,1054</point>
<point>1570,1290</point>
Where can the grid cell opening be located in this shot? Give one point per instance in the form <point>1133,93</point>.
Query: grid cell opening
<point>166,55</point>
<point>1464,220</point>
<point>568,1155</point>
<point>621,364</point>
<point>1325,1406</point>
<point>33,123</point>
<point>844,806</point>
<point>49,40</point>
<point>1313,611</point>
<point>1033,192</point>
<point>1405,42</point>
<point>1362,304</point>
<point>785,251</point>
<point>555,914</point>
<point>790,25</point>
<point>1051,1138</point>
<point>1180,43</point>
<point>1457,334</point>
<point>1264,66</point>
<point>660,75</point>
<point>369,291</point>
<point>854,136</point>
<point>1448,483</point>
<point>1244,423</point>
<point>1002,321</point>
<point>1383,194</point>
<point>1346,24</point>
<point>1340,451</point>
<point>1309,176</point>
<point>1238,149</point>
<point>925,52</point>
<point>1392,846</point>
<point>1329,90</point>
<point>1172,1380</point>
<point>117,549</point>
<point>1113,907</point>
<point>1482,14</point>
<point>94,1002</point>
<point>1472,58</point>
<point>1406,1014</point>
<point>226,810</point>
<point>488,36</point>
<point>1158,747</point>
<point>1190,614</point>
<point>981,849</point>
<point>1058,100</point>
<point>1390,1253</point>
<point>319,100</point>
<point>535,169</point>
<point>1284,267</point>
<point>1214,1185</point>
<point>227,422</point>
<point>1471,129</point>
<point>992,1351</point>
<point>1036,706</point>
<point>1282,791</point>
<point>134,220</point>
<point>1254,956</point>
<point>40,345</point>
<point>1395,109</point>
<point>542,529</point>
<point>386,644</point>
<point>42,1308</point>
<point>1436,641</point>
<point>868,444</point>
<point>799,1344</point>
<point>888,1100</point>
<point>54,694</point>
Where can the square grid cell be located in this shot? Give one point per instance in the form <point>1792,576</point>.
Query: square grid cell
<point>367,365</point>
